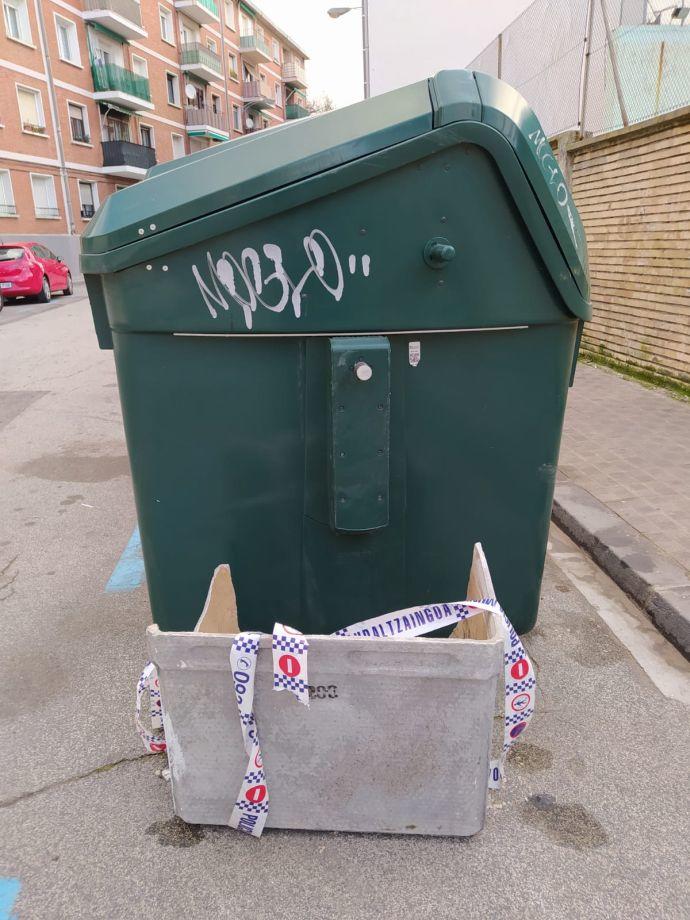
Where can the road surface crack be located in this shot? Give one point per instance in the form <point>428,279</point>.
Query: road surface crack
<point>49,787</point>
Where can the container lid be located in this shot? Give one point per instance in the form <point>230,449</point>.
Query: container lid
<point>176,193</point>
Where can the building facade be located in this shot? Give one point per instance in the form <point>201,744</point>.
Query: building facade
<point>94,92</point>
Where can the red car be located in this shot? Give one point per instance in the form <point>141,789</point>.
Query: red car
<point>32,270</point>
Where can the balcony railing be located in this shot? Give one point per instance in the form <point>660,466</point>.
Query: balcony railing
<point>87,210</point>
<point>200,116</point>
<point>196,53</point>
<point>47,212</point>
<point>128,9</point>
<point>210,5</point>
<point>253,92</point>
<point>125,153</point>
<point>8,210</point>
<point>294,73</point>
<point>254,42</point>
<point>112,77</point>
<point>295,110</point>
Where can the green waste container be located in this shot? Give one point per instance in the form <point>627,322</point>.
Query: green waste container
<point>343,349</point>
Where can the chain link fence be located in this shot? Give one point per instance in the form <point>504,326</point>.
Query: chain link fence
<point>595,65</point>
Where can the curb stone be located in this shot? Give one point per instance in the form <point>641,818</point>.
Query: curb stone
<point>652,579</point>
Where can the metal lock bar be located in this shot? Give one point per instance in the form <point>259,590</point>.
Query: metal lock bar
<point>360,432</point>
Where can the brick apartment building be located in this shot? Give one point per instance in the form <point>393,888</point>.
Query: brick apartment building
<point>94,92</point>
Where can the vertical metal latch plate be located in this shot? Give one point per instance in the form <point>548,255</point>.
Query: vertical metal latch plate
<point>360,426</point>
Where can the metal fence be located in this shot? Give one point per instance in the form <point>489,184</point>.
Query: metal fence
<point>595,65</point>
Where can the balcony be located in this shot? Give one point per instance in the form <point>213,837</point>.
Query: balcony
<point>253,94</point>
<point>296,110</point>
<point>293,74</point>
<point>204,12</point>
<point>202,121</point>
<point>121,87</point>
<point>47,213</point>
<point>254,49</point>
<point>123,158</point>
<point>8,210</point>
<point>123,17</point>
<point>201,61</point>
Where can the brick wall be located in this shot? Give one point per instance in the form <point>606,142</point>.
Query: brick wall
<point>632,189</point>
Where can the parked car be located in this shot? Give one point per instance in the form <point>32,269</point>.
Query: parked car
<point>32,270</point>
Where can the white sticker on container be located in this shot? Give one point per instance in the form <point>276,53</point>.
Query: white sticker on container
<point>414,350</point>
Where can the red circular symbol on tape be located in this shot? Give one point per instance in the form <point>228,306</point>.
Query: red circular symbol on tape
<point>289,665</point>
<point>519,669</point>
<point>518,729</point>
<point>255,794</point>
<point>288,629</point>
<point>157,747</point>
<point>258,762</point>
<point>520,702</point>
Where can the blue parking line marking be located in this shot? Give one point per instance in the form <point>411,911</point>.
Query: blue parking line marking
<point>9,890</point>
<point>129,573</point>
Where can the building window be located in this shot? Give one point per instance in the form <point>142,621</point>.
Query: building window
<point>276,51</point>
<point>173,83</point>
<point>211,45</point>
<point>116,128</point>
<point>188,32</point>
<point>17,20</point>
<point>246,24</point>
<point>7,206</point>
<point>215,104</point>
<point>78,123</point>
<point>45,202</point>
<point>264,122</point>
<point>88,199</point>
<point>146,135</point>
<point>177,146</point>
<point>232,72</point>
<point>236,118</point>
<point>230,14</point>
<point>31,110</point>
<point>140,66</point>
<point>68,42</point>
<point>166,21</point>
<point>279,94</point>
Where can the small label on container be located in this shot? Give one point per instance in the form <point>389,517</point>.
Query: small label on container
<point>415,353</point>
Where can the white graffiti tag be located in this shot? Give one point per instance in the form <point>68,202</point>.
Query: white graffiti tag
<point>247,282</point>
<point>544,153</point>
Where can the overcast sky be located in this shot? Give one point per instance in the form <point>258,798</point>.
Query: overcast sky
<point>335,45</point>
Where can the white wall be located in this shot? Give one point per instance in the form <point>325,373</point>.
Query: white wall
<point>409,41</point>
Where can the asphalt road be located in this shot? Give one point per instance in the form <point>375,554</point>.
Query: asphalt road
<point>593,820</point>
<point>14,310</point>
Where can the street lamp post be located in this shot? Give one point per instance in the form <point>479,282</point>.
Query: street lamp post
<point>335,12</point>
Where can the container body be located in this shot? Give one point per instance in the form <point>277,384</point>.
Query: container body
<point>446,261</point>
<point>396,739</point>
<point>231,462</point>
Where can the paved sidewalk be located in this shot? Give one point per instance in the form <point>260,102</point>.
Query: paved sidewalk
<point>624,489</point>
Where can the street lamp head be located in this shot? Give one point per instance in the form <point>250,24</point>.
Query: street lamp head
<point>336,11</point>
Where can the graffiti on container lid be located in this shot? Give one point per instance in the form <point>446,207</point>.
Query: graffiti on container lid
<point>543,152</point>
<point>261,279</point>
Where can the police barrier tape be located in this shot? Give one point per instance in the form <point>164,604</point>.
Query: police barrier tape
<point>289,649</point>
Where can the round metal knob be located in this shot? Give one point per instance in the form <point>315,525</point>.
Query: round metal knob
<point>363,371</point>
<point>438,252</point>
